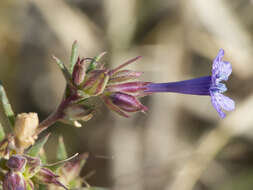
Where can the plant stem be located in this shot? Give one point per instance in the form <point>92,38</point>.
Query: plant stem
<point>55,116</point>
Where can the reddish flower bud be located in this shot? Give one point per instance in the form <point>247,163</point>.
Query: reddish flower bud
<point>16,163</point>
<point>122,103</point>
<point>79,71</point>
<point>124,75</point>
<point>14,181</point>
<point>46,176</point>
<point>131,88</point>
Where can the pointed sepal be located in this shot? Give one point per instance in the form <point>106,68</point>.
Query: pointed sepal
<point>36,148</point>
<point>73,57</point>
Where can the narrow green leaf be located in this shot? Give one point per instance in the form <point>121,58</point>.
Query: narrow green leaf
<point>35,149</point>
<point>6,105</point>
<point>65,71</point>
<point>2,133</point>
<point>73,57</point>
<point>43,156</point>
<point>61,151</point>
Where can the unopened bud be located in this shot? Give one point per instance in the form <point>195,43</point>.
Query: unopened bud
<point>79,71</point>
<point>16,163</point>
<point>132,88</point>
<point>25,126</point>
<point>14,181</point>
<point>122,103</point>
<point>95,82</point>
<point>124,75</point>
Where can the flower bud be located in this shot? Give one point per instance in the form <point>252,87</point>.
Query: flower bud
<point>46,176</point>
<point>124,75</point>
<point>16,163</point>
<point>25,126</point>
<point>95,82</point>
<point>14,181</point>
<point>79,71</point>
<point>131,88</point>
<point>122,103</point>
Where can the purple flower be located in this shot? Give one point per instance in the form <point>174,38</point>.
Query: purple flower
<point>208,85</point>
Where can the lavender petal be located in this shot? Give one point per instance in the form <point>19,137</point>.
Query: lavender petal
<point>217,106</point>
<point>224,102</point>
<point>221,69</point>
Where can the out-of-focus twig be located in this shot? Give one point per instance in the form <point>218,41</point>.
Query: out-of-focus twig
<point>212,143</point>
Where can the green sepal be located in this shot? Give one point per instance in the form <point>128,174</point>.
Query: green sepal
<point>6,105</point>
<point>73,57</point>
<point>2,133</point>
<point>65,72</point>
<point>61,150</point>
<point>35,149</point>
<point>93,64</point>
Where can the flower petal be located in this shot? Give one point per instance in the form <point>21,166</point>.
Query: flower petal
<point>221,69</point>
<point>219,57</point>
<point>216,105</point>
<point>224,102</point>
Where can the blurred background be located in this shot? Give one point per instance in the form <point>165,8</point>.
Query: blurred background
<point>180,143</point>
